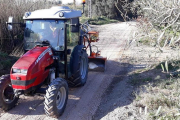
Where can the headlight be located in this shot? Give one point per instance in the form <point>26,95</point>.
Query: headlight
<point>27,14</point>
<point>23,71</point>
<point>16,70</point>
<point>61,14</point>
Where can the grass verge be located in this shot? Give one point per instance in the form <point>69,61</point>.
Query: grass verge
<point>98,20</point>
<point>158,90</point>
<point>6,63</point>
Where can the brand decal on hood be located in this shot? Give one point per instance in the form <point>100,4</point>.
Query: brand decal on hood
<point>42,54</point>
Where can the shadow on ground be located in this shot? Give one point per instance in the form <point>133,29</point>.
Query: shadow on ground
<point>119,94</point>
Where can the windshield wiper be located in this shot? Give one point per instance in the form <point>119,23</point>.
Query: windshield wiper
<point>58,37</point>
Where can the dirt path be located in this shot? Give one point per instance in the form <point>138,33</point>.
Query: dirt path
<point>83,102</point>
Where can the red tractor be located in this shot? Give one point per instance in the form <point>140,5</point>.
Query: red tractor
<point>54,58</point>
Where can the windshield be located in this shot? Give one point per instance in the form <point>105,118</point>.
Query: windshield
<point>37,31</point>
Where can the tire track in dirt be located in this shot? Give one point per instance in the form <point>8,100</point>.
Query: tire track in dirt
<point>83,101</point>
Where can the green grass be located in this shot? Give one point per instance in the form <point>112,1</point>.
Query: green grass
<point>6,62</point>
<point>144,41</point>
<point>172,65</point>
<point>149,36</point>
<point>98,20</point>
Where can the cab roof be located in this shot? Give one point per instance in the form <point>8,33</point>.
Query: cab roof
<point>53,13</point>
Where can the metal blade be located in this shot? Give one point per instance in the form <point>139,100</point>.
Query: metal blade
<point>97,64</point>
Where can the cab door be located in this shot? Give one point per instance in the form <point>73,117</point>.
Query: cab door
<point>72,39</point>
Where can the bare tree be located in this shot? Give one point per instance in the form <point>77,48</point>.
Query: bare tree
<point>159,22</point>
<point>16,8</point>
<point>74,3</point>
<point>113,8</point>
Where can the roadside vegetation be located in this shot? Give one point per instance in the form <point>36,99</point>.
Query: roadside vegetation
<point>158,23</point>
<point>17,8</point>
<point>157,91</point>
<point>6,63</point>
<point>157,88</point>
<point>99,20</point>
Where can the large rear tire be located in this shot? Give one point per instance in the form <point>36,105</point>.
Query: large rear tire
<point>7,97</point>
<point>79,66</point>
<point>56,98</point>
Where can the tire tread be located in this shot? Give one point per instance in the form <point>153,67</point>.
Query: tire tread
<point>50,97</point>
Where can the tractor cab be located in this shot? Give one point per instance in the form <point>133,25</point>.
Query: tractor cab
<point>50,25</point>
<point>58,28</point>
<point>39,31</point>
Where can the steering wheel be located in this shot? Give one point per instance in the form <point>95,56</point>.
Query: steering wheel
<point>43,43</point>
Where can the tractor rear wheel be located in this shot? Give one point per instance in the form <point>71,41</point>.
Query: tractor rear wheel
<point>7,97</point>
<point>79,66</point>
<point>56,97</point>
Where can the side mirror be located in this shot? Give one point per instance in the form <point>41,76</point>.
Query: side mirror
<point>27,33</point>
<point>10,21</point>
<point>75,25</point>
<point>69,51</point>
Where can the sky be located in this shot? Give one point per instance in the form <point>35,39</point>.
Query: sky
<point>71,1</point>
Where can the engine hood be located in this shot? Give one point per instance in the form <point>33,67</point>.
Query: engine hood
<point>30,70</point>
<point>32,56</point>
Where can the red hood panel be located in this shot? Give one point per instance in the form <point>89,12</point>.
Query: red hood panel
<point>28,58</point>
<point>24,62</point>
<point>35,61</point>
<point>35,52</point>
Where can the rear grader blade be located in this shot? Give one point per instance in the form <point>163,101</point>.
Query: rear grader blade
<point>96,62</point>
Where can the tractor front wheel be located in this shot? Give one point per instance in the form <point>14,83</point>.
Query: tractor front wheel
<point>7,96</point>
<point>56,97</point>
